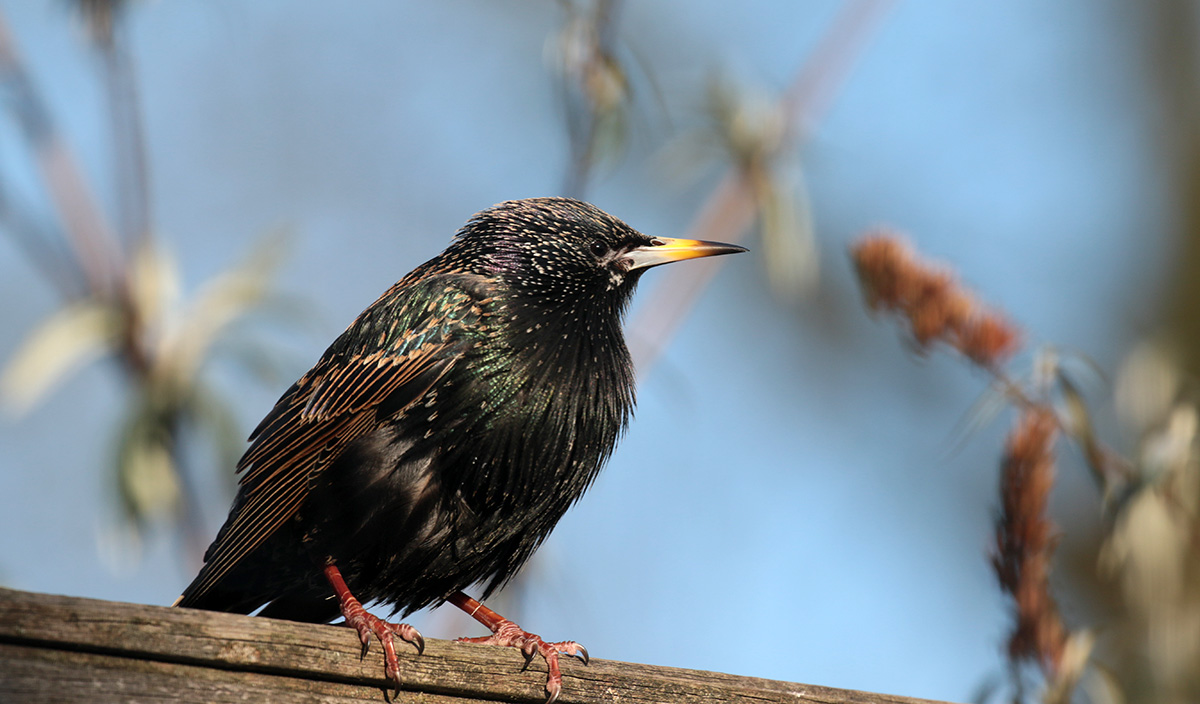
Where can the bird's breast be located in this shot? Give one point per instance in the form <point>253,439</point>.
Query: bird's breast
<point>546,413</point>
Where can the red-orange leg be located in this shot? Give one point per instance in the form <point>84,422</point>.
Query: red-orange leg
<point>508,634</point>
<point>366,623</point>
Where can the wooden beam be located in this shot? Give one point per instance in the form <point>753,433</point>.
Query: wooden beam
<point>67,649</point>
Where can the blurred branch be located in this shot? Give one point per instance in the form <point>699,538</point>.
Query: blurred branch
<point>936,309</point>
<point>731,208</point>
<point>43,246</point>
<point>94,250</point>
<point>595,88</point>
<point>130,309</point>
<point>1153,545</point>
<point>128,142</point>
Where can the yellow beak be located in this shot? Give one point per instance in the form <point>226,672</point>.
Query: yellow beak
<point>664,250</point>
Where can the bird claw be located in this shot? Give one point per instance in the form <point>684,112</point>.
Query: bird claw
<point>509,634</point>
<point>528,650</point>
<point>409,635</point>
<point>581,653</point>
<point>367,623</point>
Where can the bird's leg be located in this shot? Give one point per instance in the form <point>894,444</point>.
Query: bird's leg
<point>508,634</point>
<point>366,623</point>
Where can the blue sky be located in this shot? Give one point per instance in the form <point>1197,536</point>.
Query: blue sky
<point>792,500</point>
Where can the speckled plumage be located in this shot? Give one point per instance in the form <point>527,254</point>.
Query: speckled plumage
<point>439,439</point>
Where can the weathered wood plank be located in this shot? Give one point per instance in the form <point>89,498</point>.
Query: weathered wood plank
<point>110,651</point>
<point>32,674</point>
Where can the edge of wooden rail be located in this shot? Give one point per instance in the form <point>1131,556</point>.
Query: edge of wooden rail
<point>59,648</point>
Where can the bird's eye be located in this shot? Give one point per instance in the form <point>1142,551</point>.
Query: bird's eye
<point>598,248</point>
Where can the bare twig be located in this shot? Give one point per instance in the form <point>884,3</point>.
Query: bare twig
<point>93,247</point>
<point>129,149</point>
<point>937,310</point>
<point>591,66</point>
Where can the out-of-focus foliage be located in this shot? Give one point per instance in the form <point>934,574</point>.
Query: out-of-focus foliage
<point>748,129</point>
<point>101,17</point>
<point>79,332</point>
<point>1148,648</point>
<point>595,87</point>
<point>130,308</point>
<point>754,134</point>
<point>1152,552</point>
<point>175,339</point>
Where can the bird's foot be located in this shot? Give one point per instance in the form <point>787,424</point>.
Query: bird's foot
<point>367,624</point>
<point>510,635</point>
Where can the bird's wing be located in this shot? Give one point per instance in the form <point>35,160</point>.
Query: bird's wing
<point>363,379</point>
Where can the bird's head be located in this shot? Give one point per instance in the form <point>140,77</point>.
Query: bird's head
<point>561,251</point>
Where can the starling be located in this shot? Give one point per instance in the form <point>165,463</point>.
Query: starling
<point>441,437</point>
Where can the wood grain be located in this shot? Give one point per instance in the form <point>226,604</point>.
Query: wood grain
<point>67,649</point>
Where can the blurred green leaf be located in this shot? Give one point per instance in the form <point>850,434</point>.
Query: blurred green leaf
<point>147,477</point>
<point>750,123</point>
<point>751,128</point>
<point>789,249</point>
<point>67,339</point>
<point>187,341</point>
<point>1078,424</point>
<point>1147,385</point>
<point>153,285</point>
<point>594,86</point>
<point>1076,654</point>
